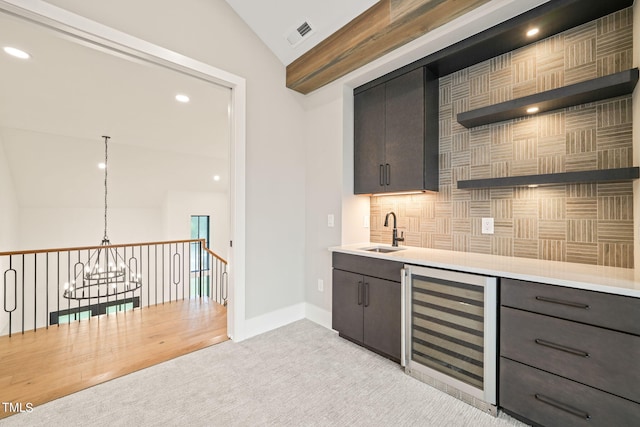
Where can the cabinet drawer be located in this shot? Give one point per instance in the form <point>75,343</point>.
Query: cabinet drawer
<point>594,356</point>
<point>550,400</point>
<point>374,267</point>
<point>595,308</point>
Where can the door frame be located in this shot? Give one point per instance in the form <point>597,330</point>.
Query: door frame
<point>115,42</point>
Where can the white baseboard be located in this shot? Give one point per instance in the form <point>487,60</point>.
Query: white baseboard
<point>318,315</point>
<point>284,316</point>
<point>273,320</point>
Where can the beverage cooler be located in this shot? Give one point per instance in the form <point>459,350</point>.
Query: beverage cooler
<point>449,332</point>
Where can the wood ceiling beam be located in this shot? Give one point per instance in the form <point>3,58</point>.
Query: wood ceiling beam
<point>382,28</point>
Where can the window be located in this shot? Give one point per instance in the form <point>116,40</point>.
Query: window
<point>199,230</point>
<point>199,259</point>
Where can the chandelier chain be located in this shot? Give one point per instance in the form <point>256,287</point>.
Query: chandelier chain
<point>106,272</point>
<point>105,239</point>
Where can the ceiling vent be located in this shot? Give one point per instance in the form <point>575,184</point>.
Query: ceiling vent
<point>299,34</point>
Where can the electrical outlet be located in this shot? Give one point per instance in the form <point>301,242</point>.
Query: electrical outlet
<point>365,221</point>
<point>487,225</point>
<point>330,220</point>
<point>320,285</point>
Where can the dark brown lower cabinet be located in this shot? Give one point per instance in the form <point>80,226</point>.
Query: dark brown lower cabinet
<point>550,400</point>
<point>367,309</point>
<point>568,357</point>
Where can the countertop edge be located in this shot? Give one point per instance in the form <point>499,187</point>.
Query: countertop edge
<point>611,280</point>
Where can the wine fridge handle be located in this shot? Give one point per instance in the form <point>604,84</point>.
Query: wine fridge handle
<point>403,313</point>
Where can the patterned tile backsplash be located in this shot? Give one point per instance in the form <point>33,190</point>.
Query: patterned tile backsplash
<point>584,223</point>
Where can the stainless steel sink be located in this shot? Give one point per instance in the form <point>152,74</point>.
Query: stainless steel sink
<point>382,249</point>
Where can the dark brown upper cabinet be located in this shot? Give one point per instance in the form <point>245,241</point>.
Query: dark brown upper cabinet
<point>394,148</point>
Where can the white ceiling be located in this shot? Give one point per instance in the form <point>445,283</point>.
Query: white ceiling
<point>55,107</point>
<point>273,20</point>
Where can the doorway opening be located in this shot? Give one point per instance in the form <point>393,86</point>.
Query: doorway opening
<point>108,40</point>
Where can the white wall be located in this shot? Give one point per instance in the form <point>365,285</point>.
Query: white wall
<point>329,187</point>
<point>211,32</point>
<point>8,205</point>
<point>181,205</point>
<point>323,189</point>
<point>50,227</point>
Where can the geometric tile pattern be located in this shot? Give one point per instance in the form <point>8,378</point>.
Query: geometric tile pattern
<point>583,223</point>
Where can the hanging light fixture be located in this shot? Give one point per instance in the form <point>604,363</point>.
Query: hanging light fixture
<point>108,272</point>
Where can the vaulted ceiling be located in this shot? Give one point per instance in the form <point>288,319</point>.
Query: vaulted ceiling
<point>274,20</point>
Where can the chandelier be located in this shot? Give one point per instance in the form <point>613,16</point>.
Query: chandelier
<point>107,272</point>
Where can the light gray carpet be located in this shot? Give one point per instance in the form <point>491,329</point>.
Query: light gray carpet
<point>298,375</point>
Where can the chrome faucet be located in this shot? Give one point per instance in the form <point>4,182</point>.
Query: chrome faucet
<point>396,239</point>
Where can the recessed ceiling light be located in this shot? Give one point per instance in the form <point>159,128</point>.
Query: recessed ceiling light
<point>16,52</point>
<point>532,32</point>
<point>216,177</point>
<point>102,165</point>
<point>532,110</point>
<point>182,98</point>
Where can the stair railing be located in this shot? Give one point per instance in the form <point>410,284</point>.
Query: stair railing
<point>41,288</point>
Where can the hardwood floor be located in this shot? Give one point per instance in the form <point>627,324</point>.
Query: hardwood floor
<point>37,367</point>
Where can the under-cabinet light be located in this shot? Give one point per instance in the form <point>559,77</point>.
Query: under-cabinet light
<point>532,110</point>
<point>532,32</point>
<point>401,193</point>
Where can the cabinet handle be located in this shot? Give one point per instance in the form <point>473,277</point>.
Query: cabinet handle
<point>556,404</point>
<point>388,173</point>
<point>381,175</point>
<point>360,293</point>
<point>561,348</point>
<point>563,302</point>
<point>366,295</point>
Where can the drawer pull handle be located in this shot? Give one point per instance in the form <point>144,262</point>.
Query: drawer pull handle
<point>573,411</point>
<point>561,348</point>
<point>563,302</point>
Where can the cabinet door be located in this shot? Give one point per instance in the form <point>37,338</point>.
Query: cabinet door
<point>405,132</point>
<point>382,316</point>
<point>369,140</point>
<point>348,302</point>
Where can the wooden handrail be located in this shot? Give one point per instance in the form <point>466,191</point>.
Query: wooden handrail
<point>124,245</point>
<point>213,254</point>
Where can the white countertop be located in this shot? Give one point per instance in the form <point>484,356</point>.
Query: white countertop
<point>612,280</point>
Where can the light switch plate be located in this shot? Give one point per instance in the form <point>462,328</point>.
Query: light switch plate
<point>330,220</point>
<point>487,225</point>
